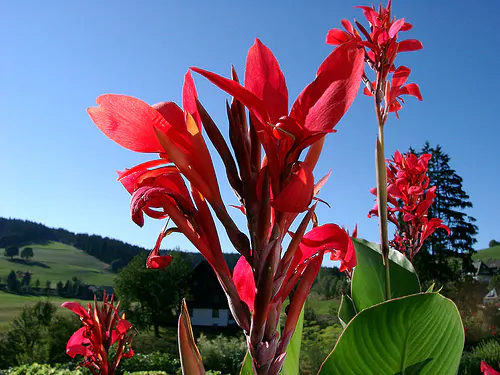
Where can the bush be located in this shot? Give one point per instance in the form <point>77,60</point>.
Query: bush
<point>486,351</point>
<point>224,354</point>
<point>37,369</point>
<point>150,363</point>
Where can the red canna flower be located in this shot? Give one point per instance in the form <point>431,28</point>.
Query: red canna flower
<point>382,46</point>
<point>163,128</point>
<point>285,134</point>
<point>487,369</point>
<point>272,189</point>
<point>409,198</point>
<point>102,328</point>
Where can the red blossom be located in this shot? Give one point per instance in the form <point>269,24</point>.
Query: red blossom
<point>272,185</point>
<point>409,198</point>
<point>382,46</point>
<point>102,328</point>
<point>316,111</point>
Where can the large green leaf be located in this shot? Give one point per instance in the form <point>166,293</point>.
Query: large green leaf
<point>347,311</point>
<point>291,365</point>
<point>419,334</point>
<point>368,280</point>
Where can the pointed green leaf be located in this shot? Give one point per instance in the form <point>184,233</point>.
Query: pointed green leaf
<point>368,280</point>
<point>431,288</point>
<point>246,367</point>
<point>347,311</point>
<point>419,334</point>
<point>291,364</point>
<point>191,361</point>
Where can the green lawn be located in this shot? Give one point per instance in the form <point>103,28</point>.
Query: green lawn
<point>59,262</point>
<point>488,254</point>
<point>323,307</point>
<point>11,305</point>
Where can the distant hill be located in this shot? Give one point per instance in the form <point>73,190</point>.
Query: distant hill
<point>59,262</point>
<point>23,232</point>
<point>488,253</point>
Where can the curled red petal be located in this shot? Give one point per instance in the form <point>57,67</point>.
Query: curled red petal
<point>75,343</point>
<point>409,45</point>
<point>128,121</point>
<point>327,238</point>
<point>298,191</point>
<point>159,261</point>
<point>264,78</point>
<point>244,282</point>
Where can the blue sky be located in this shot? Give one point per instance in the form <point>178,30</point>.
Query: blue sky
<point>58,56</point>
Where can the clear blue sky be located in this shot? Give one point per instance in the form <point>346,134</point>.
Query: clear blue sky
<point>58,56</point>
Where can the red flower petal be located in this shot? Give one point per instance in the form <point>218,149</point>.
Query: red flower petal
<point>336,37</point>
<point>246,97</point>
<point>123,326</point>
<point>298,192</point>
<point>264,78</point>
<point>76,308</point>
<point>409,45</point>
<point>189,96</point>
<point>487,369</point>
<point>322,103</point>
<point>128,121</point>
<point>411,89</point>
<point>244,282</point>
<point>400,76</point>
<point>75,343</point>
<point>328,238</point>
<point>395,27</point>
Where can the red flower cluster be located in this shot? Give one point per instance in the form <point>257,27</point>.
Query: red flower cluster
<point>382,48</point>
<point>102,328</point>
<point>409,198</point>
<point>272,188</point>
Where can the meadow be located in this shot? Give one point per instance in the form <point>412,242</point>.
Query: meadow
<point>56,262</point>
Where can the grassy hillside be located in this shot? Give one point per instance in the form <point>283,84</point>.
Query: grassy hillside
<point>59,262</point>
<point>12,305</point>
<point>489,253</point>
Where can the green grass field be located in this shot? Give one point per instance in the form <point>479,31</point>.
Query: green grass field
<point>323,307</point>
<point>488,254</point>
<point>12,304</point>
<point>59,262</point>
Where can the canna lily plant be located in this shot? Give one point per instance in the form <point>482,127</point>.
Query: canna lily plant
<point>103,328</point>
<point>391,327</point>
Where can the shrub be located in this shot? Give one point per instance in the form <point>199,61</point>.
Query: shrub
<point>488,351</point>
<point>37,369</point>
<point>224,354</point>
<point>150,363</point>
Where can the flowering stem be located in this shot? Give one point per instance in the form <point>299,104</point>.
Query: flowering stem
<point>382,194</point>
